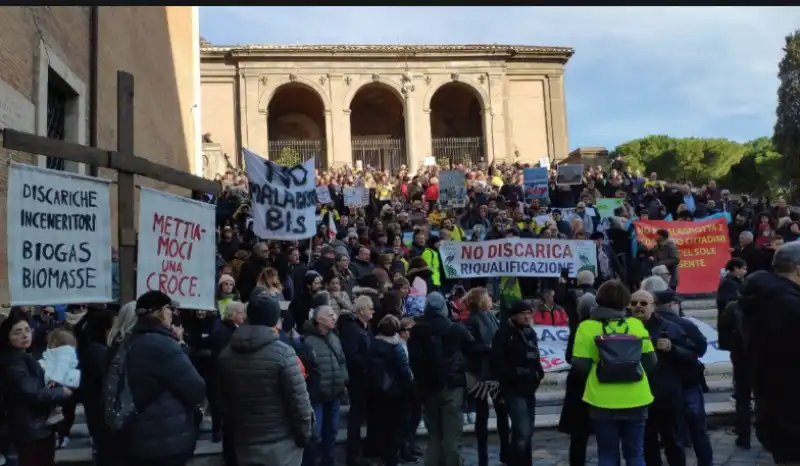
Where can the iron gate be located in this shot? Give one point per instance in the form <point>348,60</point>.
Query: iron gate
<point>466,151</point>
<point>382,154</point>
<point>295,151</point>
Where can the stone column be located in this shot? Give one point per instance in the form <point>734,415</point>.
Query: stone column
<point>255,121</point>
<point>341,152</point>
<point>329,162</point>
<point>496,119</point>
<point>488,140</point>
<point>409,115</point>
<point>558,117</point>
<point>424,136</point>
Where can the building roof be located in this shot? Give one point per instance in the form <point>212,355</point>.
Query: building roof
<point>409,51</point>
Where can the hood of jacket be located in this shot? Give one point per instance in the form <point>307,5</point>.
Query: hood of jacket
<point>365,291</point>
<point>762,287</point>
<point>605,313</point>
<point>251,338</point>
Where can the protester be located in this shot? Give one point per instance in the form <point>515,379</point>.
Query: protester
<point>265,405</point>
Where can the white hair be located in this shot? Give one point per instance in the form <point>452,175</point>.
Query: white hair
<point>123,323</point>
<point>585,277</point>
<point>232,307</point>
<point>362,302</point>
<point>654,284</point>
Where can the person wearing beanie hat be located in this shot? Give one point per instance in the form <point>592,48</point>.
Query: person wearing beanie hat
<point>226,293</point>
<point>269,406</point>
<point>163,431</point>
<point>516,363</point>
<point>436,350</point>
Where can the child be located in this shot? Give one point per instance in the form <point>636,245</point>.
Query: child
<point>60,365</point>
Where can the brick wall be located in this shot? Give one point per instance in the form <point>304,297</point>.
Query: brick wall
<point>153,43</point>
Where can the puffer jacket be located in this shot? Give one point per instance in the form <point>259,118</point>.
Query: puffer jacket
<point>482,326</point>
<point>259,371</point>
<point>26,398</point>
<point>167,391</point>
<point>327,366</point>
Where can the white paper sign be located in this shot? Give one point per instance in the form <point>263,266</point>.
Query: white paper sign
<point>59,237</point>
<point>352,196</point>
<point>283,200</point>
<point>177,249</point>
<point>324,195</point>
<point>429,161</point>
<point>452,191</point>
<point>364,195</point>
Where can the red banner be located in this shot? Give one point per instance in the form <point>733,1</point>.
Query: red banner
<point>703,247</point>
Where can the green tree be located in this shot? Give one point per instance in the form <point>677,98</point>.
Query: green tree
<point>694,159</point>
<point>288,157</point>
<point>786,136</point>
<point>758,172</point>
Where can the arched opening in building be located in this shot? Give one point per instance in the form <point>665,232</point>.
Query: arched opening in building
<point>457,131</point>
<point>378,128</point>
<point>296,126</point>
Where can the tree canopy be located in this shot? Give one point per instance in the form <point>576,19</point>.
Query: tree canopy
<point>752,167</point>
<point>786,137</point>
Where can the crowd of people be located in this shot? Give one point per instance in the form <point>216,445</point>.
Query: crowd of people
<point>363,315</point>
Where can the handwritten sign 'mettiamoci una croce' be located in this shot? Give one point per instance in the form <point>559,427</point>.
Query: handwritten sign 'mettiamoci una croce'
<point>283,200</point>
<point>59,237</point>
<point>177,248</point>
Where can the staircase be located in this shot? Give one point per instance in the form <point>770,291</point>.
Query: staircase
<point>549,399</point>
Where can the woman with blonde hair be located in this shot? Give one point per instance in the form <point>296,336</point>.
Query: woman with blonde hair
<point>123,324</point>
<point>482,325</point>
<point>269,281</point>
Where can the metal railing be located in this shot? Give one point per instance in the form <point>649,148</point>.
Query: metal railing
<point>382,154</point>
<point>295,151</point>
<point>467,151</point>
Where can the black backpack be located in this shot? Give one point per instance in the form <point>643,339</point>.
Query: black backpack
<point>619,355</point>
<point>727,327</point>
<point>430,364</point>
<point>118,405</point>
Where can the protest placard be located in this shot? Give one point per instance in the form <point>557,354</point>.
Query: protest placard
<point>535,181</point>
<point>517,257</point>
<point>352,196</point>
<point>364,195</point>
<point>570,174</point>
<point>324,195</point>
<point>703,247</point>
<point>452,189</point>
<point>177,246</point>
<point>283,199</point>
<point>607,205</point>
<point>58,237</point>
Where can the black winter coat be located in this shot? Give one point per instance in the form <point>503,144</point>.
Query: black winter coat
<point>28,401</point>
<point>771,308</point>
<point>355,338</point>
<point>482,326</point>
<point>167,391</point>
<point>695,344</point>
<point>665,378</point>
<point>93,360</point>
<point>515,359</point>
<point>571,308</point>
<point>387,361</point>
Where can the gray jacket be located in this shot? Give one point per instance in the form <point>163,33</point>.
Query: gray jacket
<point>327,366</point>
<point>667,255</point>
<point>263,393</point>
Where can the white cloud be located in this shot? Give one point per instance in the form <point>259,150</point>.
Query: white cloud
<point>683,71</point>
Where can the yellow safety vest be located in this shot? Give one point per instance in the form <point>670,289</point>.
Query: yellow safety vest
<point>431,258</point>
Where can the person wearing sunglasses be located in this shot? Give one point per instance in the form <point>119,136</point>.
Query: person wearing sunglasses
<point>665,415</point>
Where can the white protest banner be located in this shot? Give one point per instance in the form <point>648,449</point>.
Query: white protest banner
<point>553,346</point>
<point>58,237</point>
<point>517,257</point>
<point>177,249</point>
<point>283,199</point>
<point>429,161</point>
<point>324,195</point>
<point>364,195</point>
<point>569,174</point>
<point>352,196</point>
<point>452,190</point>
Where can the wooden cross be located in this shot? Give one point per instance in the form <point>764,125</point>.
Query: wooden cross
<point>126,164</point>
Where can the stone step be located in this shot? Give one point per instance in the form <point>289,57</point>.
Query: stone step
<point>79,452</point>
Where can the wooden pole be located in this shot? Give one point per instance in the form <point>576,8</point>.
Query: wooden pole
<point>126,190</point>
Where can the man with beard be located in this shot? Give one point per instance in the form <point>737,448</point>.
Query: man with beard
<point>228,244</point>
<point>303,302</point>
<point>361,265</point>
<point>771,316</point>
<point>248,275</point>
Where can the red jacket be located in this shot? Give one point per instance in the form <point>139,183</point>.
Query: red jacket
<point>432,192</point>
<point>556,316</point>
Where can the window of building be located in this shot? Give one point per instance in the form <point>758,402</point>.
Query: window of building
<point>59,97</point>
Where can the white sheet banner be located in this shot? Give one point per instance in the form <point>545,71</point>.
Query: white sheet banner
<point>452,190</point>
<point>283,199</point>
<point>177,249</point>
<point>517,257</point>
<point>58,237</point>
<point>553,346</point>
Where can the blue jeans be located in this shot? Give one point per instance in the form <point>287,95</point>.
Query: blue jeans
<point>610,433</point>
<point>695,414</point>
<point>522,411</point>
<point>326,426</point>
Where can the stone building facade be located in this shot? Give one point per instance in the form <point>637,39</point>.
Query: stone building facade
<point>54,84</point>
<point>383,105</point>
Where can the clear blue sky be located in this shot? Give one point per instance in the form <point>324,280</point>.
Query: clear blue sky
<point>681,71</point>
